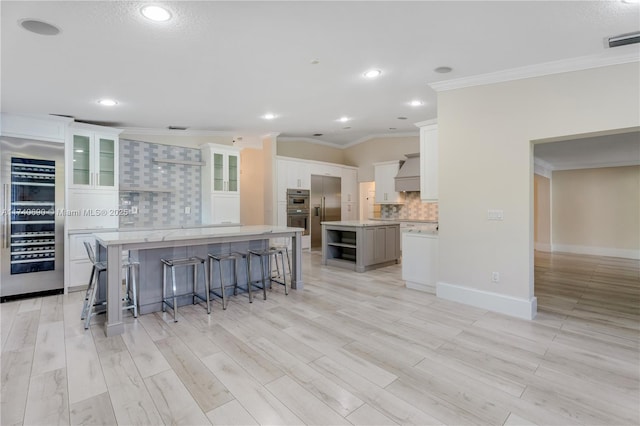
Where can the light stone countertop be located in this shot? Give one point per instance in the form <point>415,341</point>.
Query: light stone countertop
<point>360,223</point>
<point>183,234</point>
<point>404,220</point>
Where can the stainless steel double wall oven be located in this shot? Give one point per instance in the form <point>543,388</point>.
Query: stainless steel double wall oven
<point>298,209</point>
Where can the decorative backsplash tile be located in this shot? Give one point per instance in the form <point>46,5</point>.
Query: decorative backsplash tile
<point>413,208</point>
<point>159,209</point>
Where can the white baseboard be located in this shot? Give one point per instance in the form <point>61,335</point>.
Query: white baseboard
<point>496,302</point>
<point>422,287</point>
<point>597,251</point>
<point>546,247</point>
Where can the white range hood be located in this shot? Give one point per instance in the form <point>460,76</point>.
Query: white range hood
<point>408,177</point>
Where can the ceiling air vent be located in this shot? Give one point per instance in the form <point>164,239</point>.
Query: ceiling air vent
<point>624,39</point>
<point>176,128</point>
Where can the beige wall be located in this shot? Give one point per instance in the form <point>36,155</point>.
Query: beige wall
<point>192,141</point>
<point>485,162</point>
<point>310,151</point>
<point>597,208</point>
<point>375,150</point>
<point>252,191</point>
<point>269,179</point>
<point>542,212</point>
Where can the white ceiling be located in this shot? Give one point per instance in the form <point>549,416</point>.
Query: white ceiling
<point>220,66</point>
<point>615,150</point>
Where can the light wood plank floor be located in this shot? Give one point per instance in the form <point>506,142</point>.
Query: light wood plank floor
<point>350,349</point>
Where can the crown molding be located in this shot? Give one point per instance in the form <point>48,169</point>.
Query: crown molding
<point>430,122</point>
<point>170,132</point>
<point>380,136</point>
<point>587,165</point>
<point>310,140</point>
<point>537,70</point>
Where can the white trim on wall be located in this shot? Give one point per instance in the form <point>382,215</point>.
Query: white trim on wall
<point>495,302</point>
<point>542,168</point>
<point>597,251</point>
<point>546,247</point>
<point>538,70</point>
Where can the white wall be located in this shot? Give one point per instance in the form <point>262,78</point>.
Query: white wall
<point>485,159</point>
<point>542,212</point>
<point>379,149</point>
<point>597,211</point>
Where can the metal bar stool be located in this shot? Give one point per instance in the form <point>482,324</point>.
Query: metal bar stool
<point>232,259</point>
<point>285,248</point>
<point>172,264</point>
<point>130,299</point>
<point>266,274</point>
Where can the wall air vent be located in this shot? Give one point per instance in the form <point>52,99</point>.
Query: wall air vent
<point>624,39</point>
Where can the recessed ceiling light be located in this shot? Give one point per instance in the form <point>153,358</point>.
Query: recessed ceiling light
<point>393,128</point>
<point>156,13</point>
<point>416,103</point>
<point>346,128</point>
<point>443,70</point>
<point>39,27</point>
<point>107,102</point>
<point>343,119</point>
<point>315,62</point>
<point>317,134</point>
<point>269,116</point>
<point>372,73</point>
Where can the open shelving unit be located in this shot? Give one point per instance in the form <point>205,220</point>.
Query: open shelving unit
<point>360,246</point>
<point>183,162</point>
<point>145,189</point>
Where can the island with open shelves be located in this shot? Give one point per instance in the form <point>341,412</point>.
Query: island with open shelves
<point>360,245</point>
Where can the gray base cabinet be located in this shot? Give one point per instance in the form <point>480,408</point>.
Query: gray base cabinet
<point>360,245</point>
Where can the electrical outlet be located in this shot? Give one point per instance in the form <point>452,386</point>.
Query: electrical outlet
<point>134,209</point>
<point>187,210</point>
<point>495,277</point>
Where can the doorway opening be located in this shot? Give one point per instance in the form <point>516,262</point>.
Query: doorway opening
<point>585,228</point>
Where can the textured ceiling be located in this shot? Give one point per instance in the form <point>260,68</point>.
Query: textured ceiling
<point>222,65</point>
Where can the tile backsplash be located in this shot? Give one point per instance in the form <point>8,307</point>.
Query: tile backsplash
<point>139,171</point>
<point>413,208</point>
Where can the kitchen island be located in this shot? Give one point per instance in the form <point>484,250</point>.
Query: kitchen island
<point>151,245</point>
<point>360,245</point>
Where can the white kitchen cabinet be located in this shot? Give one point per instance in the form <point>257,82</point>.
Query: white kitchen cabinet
<point>325,170</point>
<point>222,168</point>
<point>92,157</point>
<point>349,211</point>
<point>78,264</point>
<point>420,260</point>
<point>48,128</point>
<point>292,174</point>
<point>350,185</point>
<point>220,187</point>
<point>349,194</point>
<point>385,174</point>
<point>298,175</point>
<point>428,161</point>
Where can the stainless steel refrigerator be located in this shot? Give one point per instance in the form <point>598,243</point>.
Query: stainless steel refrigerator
<point>32,179</point>
<point>325,205</point>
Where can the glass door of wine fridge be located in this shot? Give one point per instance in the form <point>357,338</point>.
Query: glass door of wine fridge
<point>32,175</point>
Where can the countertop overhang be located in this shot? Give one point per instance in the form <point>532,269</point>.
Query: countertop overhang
<point>199,233</point>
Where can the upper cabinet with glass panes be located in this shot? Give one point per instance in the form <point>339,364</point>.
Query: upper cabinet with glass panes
<point>222,168</point>
<point>93,159</point>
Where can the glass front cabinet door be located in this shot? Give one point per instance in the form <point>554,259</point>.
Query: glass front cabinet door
<point>94,160</point>
<point>226,172</point>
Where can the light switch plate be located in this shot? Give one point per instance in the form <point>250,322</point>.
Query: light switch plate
<point>495,214</point>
